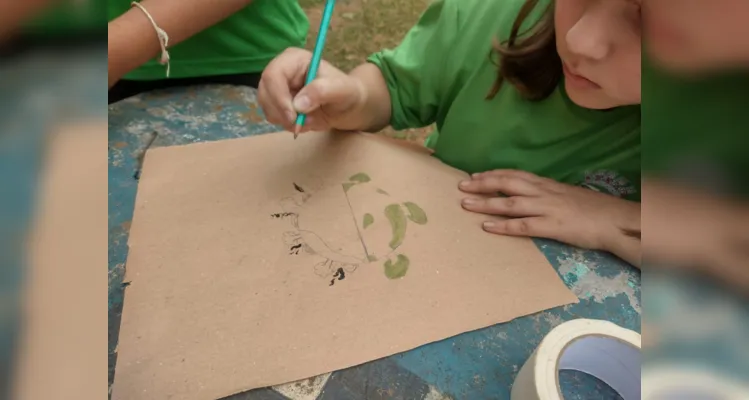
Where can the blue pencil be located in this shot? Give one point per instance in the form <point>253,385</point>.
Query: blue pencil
<point>316,57</point>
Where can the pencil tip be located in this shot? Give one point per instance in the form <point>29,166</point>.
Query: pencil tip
<point>297,130</point>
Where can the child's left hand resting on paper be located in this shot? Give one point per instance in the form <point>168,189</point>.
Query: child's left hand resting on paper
<point>542,207</point>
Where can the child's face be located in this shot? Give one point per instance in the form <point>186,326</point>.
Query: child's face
<point>599,42</point>
<point>693,35</point>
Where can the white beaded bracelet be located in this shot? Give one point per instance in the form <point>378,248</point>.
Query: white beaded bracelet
<point>163,37</point>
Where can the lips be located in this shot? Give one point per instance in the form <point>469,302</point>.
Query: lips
<point>577,79</point>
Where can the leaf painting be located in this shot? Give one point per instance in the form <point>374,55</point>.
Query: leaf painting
<point>397,269</point>
<point>367,220</point>
<point>415,213</point>
<point>397,219</point>
<point>360,178</point>
<point>335,265</point>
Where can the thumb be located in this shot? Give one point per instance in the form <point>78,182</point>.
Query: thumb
<point>323,91</point>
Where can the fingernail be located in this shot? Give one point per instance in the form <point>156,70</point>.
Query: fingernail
<point>489,225</point>
<point>468,202</point>
<point>476,175</point>
<point>310,122</point>
<point>290,116</point>
<point>464,184</point>
<point>302,103</point>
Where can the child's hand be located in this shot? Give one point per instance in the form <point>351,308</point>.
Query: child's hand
<point>329,101</point>
<point>691,228</point>
<point>542,207</point>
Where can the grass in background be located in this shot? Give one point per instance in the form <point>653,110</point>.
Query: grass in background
<point>362,27</point>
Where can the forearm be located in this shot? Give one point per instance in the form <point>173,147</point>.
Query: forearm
<point>374,108</point>
<point>628,249</point>
<point>625,241</point>
<point>133,40</point>
<point>695,229</point>
<point>14,13</point>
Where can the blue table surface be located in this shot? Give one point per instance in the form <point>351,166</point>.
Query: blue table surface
<point>480,364</point>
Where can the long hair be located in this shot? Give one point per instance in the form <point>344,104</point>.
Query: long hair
<point>529,60</point>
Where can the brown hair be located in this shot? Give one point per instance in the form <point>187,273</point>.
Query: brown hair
<point>529,60</point>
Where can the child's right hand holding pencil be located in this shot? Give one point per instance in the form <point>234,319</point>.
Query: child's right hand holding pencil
<point>354,102</point>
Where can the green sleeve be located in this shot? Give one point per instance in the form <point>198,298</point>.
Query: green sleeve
<point>415,70</point>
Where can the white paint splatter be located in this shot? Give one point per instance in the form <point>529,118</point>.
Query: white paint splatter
<point>306,389</point>
<point>590,285</point>
<point>434,394</point>
<point>552,319</point>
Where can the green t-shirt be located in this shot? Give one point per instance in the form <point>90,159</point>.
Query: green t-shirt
<point>69,17</point>
<point>243,43</point>
<point>442,72</point>
<point>696,131</point>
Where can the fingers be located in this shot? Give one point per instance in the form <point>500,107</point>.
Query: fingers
<point>336,91</point>
<point>531,226</point>
<point>500,183</point>
<point>512,173</point>
<point>315,122</point>
<point>281,79</point>
<point>506,206</point>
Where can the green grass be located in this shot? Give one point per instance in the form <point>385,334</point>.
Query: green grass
<point>310,3</point>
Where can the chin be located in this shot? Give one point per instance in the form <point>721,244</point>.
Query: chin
<point>678,63</point>
<point>593,99</point>
<point>677,59</point>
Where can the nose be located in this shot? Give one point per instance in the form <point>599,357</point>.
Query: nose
<point>588,38</point>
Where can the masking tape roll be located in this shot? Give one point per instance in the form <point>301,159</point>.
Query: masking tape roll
<point>669,381</point>
<point>599,348</point>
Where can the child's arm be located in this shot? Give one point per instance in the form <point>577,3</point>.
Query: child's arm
<point>14,14</point>
<point>133,40</point>
<point>626,241</point>
<point>693,229</point>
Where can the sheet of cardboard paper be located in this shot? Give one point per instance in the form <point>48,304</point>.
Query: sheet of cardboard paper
<point>264,260</point>
<point>62,343</point>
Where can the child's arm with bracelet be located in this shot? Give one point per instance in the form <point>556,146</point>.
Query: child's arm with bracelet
<point>133,38</point>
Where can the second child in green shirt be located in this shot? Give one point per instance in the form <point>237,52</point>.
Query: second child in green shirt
<point>538,99</point>
<point>220,42</point>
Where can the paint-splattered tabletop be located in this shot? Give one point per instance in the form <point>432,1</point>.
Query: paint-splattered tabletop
<point>480,364</point>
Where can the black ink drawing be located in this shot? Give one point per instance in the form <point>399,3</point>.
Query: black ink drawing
<point>335,264</point>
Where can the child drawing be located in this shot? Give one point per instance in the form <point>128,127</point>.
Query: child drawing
<point>528,96</point>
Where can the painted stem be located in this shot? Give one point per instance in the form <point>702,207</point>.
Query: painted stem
<point>356,225</point>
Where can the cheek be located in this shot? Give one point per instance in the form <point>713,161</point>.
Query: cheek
<point>629,79</point>
<point>725,36</point>
<point>697,34</point>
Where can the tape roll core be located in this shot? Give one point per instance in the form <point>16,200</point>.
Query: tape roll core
<point>598,348</point>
